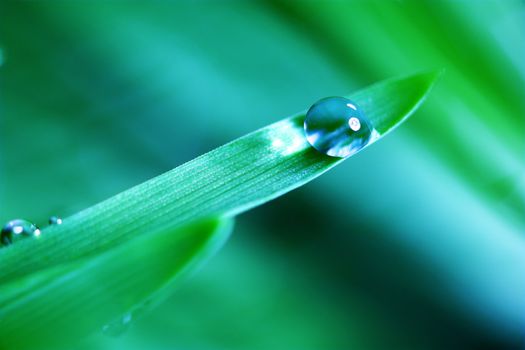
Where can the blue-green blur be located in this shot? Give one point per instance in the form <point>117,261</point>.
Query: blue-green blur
<point>416,243</point>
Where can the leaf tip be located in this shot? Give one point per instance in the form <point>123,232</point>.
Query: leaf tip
<point>428,79</point>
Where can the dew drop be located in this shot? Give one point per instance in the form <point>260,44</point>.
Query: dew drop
<point>337,127</point>
<point>119,326</point>
<point>55,220</point>
<point>16,230</point>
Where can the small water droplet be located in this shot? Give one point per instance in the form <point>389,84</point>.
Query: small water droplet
<point>55,220</point>
<point>119,326</point>
<point>16,230</point>
<point>336,126</point>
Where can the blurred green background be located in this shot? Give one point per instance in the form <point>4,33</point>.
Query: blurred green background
<point>416,243</point>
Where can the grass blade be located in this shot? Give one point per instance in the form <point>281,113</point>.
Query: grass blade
<point>226,181</point>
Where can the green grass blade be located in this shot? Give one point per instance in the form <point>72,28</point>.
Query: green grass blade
<point>384,105</point>
<point>76,299</point>
<point>226,181</point>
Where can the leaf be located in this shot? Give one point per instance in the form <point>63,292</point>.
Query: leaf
<point>77,298</point>
<point>226,181</point>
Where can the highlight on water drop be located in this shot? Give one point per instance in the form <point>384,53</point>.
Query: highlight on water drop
<point>16,230</point>
<point>337,127</point>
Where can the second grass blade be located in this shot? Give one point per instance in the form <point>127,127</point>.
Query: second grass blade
<point>74,300</point>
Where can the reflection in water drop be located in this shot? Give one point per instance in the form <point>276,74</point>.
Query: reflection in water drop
<point>16,230</point>
<point>118,327</point>
<point>354,124</point>
<point>337,127</point>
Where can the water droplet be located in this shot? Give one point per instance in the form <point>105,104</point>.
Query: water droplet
<point>16,230</point>
<point>336,126</point>
<point>119,326</point>
<point>55,220</point>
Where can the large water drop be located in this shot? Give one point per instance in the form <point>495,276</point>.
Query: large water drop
<point>336,126</point>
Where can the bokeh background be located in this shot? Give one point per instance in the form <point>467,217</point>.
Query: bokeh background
<point>418,242</point>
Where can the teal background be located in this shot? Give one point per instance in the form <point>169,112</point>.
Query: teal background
<point>415,243</point>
